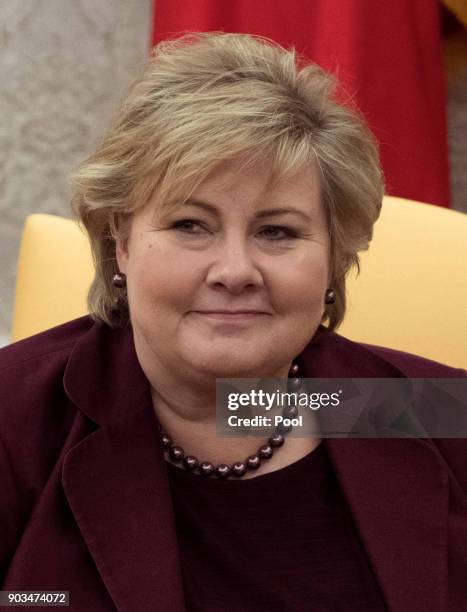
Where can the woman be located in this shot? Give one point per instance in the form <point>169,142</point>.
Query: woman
<point>224,207</point>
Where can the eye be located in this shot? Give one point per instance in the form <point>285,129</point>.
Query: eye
<point>278,232</point>
<point>188,226</point>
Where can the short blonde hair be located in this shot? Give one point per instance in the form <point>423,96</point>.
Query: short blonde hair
<point>208,97</point>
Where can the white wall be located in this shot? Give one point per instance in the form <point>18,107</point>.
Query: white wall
<point>63,67</point>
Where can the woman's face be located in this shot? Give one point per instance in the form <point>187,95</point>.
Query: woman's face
<point>233,282</point>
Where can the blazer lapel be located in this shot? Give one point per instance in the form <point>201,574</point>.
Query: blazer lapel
<point>116,485</point>
<point>115,478</point>
<point>397,492</point>
<point>397,489</point>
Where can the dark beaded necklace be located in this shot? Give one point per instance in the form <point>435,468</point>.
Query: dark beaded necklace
<point>239,468</point>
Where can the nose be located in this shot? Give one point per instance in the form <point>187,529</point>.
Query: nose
<point>234,267</point>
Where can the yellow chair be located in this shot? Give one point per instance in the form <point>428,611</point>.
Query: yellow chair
<point>411,293</point>
<point>54,272</point>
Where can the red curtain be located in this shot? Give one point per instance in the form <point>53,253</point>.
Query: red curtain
<point>387,55</point>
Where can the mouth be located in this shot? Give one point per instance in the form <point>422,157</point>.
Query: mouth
<point>233,312</point>
<point>232,315</point>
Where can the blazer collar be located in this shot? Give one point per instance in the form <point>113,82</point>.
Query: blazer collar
<point>103,377</point>
<point>115,480</point>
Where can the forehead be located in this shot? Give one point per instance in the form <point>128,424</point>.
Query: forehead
<point>232,183</point>
<point>261,178</point>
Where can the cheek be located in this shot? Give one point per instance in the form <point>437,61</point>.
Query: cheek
<point>159,280</point>
<point>301,287</point>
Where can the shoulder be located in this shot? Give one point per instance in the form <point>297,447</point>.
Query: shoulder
<point>414,366</point>
<point>452,450</point>
<point>366,360</point>
<point>330,355</point>
<point>31,375</point>
<point>47,345</point>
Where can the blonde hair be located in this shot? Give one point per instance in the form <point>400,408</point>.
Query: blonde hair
<point>208,97</point>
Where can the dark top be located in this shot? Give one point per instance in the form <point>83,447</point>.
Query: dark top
<point>280,541</point>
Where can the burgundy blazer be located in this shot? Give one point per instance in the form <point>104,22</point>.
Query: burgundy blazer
<point>85,504</point>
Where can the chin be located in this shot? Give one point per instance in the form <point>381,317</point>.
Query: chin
<point>226,365</point>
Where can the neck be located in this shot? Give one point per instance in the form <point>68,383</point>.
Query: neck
<point>199,438</point>
<point>185,406</point>
<point>187,413</point>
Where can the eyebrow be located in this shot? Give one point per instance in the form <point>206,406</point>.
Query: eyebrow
<point>261,214</point>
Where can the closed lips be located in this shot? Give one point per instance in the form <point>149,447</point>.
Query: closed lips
<point>231,312</point>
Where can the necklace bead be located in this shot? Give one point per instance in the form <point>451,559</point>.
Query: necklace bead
<point>276,440</point>
<point>284,429</point>
<point>290,412</point>
<point>294,370</point>
<point>222,471</point>
<point>253,462</point>
<point>265,451</point>
<point>190,462</point>
<point>206,468</point>
<point>238,468</point>
<point>295,383</point>
<point>166,440</point>
<point>176,453</point>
